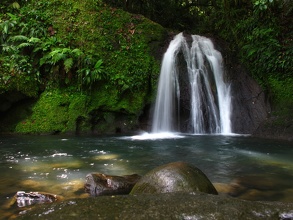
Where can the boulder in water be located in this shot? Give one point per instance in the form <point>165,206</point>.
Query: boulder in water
<point>174,177</point>
<point>98,184</point>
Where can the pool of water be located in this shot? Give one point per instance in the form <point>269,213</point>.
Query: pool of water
<point>257,169</point>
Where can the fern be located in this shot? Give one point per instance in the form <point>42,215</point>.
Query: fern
<point>77,52</point>
<point>68,63</point>
<point>34,40</point>
<point>22,45</point>
<point>18,38</point>
<point>45,59</point>
<point>9,48</point>
<point>57,55</point>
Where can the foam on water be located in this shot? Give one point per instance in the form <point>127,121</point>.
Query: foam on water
<point>155,136</point>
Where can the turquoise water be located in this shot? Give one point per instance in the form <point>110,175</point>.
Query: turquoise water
<point>59,164</point>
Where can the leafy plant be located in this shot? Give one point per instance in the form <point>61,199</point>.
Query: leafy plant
<point>261,5</point>
<point>89,73</point>
<point>6,26</point>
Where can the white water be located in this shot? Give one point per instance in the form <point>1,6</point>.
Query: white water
<point>168,90</point>
<point>156,136</point>
<point>210,100</point>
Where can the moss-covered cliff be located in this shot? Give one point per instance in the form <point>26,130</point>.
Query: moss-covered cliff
<point>93,65</point>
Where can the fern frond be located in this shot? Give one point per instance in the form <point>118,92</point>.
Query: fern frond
<point>34,40</point>
<point>44,59</point>
<point>68,63</point>
<point>9,48</point>
<point>66,50</point>
<point>55,51</point>
<point>57,57</point>
<point>22,45</point>
<point>77,52</point>
<point>18,38</point>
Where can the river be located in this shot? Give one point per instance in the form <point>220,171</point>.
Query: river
<point>58,164</point>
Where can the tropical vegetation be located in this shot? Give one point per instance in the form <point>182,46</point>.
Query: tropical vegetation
<point>94,56</point>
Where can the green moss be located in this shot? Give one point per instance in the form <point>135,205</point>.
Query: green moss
<point>111,99</point>
<point>105,110</point>
<point>55,111</point>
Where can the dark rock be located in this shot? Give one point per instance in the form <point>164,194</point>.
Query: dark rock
<point>98,184</point>
<point>174,177</point>
<point>250,106</point>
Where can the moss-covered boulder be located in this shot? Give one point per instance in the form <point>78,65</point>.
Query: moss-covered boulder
<point>174,177</point>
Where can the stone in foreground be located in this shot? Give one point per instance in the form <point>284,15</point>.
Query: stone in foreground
<point>162,206</point>
<point>174,177</point>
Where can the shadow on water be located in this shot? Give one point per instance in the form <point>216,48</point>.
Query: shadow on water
<point>243,167</point>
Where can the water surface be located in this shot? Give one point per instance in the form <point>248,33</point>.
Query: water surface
<point>59,164</point>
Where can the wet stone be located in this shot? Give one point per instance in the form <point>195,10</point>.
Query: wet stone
<point>98,184</point>
<point>174,177</point>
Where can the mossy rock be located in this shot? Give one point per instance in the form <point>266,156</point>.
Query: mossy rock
<point>174,177</point>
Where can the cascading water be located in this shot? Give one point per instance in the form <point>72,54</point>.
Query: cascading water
<point>210,100</point>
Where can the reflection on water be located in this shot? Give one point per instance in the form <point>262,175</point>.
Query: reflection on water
<point>244,167</point>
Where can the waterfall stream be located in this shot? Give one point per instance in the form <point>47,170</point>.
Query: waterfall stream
<point>210,99</point>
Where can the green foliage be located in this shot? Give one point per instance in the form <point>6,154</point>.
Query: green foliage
<point>66,53</point>
<point>261,5</point>
<point>255,35</point>
<point>90,74</point>
<point>58,48</point>
<point>175,14</point>
<point>49,52</point>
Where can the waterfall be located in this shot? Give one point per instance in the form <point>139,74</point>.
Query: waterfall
<point>210,100</point>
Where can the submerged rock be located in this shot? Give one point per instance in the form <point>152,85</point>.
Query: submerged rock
<point>98,184</point>
<point>174,177</point>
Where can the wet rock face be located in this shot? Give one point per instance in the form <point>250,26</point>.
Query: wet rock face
<point>249,105</point>
<point>174,177</point>
<point>98,184</point>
